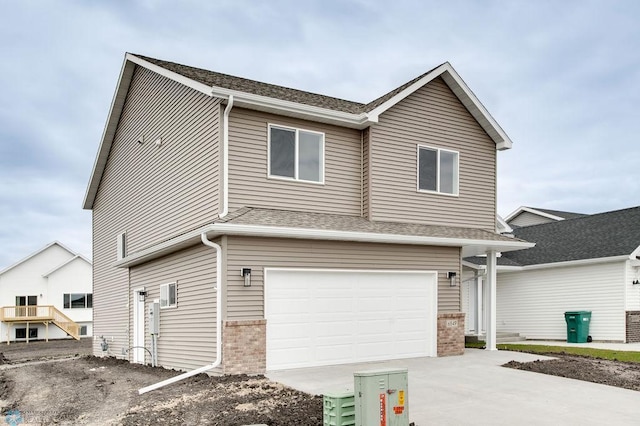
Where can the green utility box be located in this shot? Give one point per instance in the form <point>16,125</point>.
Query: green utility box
<point>338,409</point>
<point>577,326</point>
<point>382,397</point>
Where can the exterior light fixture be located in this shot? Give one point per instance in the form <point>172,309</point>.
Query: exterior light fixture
<point>452,278</point>
<point>246,273</point>
<point>141,296</point>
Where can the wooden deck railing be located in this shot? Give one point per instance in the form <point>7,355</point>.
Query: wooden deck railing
<point>40,313</point>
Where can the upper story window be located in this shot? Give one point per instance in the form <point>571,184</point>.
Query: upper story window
<point>438,170</point>
<point>296,154</point>
<point>78,300</point>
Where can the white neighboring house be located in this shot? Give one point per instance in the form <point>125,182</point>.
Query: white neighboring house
<point>580,263</point>
<point>47,295</point>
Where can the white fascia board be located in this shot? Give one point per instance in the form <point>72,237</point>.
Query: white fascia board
<point>57,268</point>
<point>217,229</point>
<point>472,265</point>
<point>161,249</point>
<point>466,96</point>
<point>635,255</point>
<point>263,103</point>
<point>117,104</point>
<point>37,253</point>
<point>322,234</point>
<point>200,87</point>
<point>502,223</point>
<point>532,211</point>
<point>580,262</point>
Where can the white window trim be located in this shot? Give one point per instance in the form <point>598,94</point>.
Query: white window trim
<point>297,132</point>
<point>175,305</point>
<point>456,193</point>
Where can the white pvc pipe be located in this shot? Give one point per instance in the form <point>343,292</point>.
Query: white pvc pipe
<point>218,359</point>
<point>225,158</point>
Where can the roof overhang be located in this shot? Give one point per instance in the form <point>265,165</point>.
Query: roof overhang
<point>463,93</point>
<point>282,107</point>
<point>469,247</point>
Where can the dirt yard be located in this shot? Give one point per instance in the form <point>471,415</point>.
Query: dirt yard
<point>613,373</point>
<point>55,389</point>
<point>58,383</point>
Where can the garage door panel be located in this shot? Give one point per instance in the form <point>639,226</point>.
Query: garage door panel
<point>331,317</point>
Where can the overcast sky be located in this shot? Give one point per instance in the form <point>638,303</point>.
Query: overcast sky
<point>561,77</point>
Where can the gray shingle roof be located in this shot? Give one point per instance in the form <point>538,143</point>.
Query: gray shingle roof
<point>560,213</point>
<point>335,222</point>
<point>226,81</point>
<point>608,234</point>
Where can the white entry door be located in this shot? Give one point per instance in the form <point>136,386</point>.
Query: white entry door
<point>328,317</point>
<point>138,327</point>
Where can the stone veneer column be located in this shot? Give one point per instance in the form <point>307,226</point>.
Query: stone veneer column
<point>633,326</point>
<point>451,334</point>
<point>244,347</point>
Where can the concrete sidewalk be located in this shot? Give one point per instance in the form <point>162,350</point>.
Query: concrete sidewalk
<point>474,389</point>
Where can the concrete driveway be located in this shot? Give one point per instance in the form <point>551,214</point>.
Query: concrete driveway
<point>474,389</point>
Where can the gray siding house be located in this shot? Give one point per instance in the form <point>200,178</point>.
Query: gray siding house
<point>279,228</point>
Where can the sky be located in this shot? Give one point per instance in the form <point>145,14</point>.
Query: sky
<point>562,78</point>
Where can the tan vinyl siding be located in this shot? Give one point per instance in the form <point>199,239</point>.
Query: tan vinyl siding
<point>150,191</point>
<point>366,175</point>
<point>528,219</point>
<point>250,186</point>
<point>188,332</point>
<point>258,253</point>
<point>432,116</point>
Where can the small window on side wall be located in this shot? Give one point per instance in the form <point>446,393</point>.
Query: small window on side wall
<point>438,170</point>
<point>169,295</point>
<point>296,154</point>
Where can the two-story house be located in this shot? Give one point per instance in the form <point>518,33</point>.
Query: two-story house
<point>47,295</point>
<point>278,228</point>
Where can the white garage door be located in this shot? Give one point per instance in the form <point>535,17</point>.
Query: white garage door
<point>326,317</point>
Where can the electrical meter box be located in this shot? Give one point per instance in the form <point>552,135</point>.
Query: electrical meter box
<point>154,318</point>
<point>382,397</point>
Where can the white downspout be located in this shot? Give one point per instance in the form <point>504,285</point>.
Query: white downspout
<point>225,158</point>
<point>218,359</point>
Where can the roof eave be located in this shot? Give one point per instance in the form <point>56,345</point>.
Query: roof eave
<point>469,247</point>
<point>463,93</point>
<point>523,209</point>
<point>262,103</point>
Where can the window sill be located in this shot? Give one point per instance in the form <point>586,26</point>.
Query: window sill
<point>424,191</point>
<point>293,180</point>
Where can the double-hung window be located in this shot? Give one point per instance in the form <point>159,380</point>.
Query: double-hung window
<point>438,170</point>
<point>168,296</point>
<point>296,154</point>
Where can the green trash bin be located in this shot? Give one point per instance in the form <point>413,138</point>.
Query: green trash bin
<point>577,326</point>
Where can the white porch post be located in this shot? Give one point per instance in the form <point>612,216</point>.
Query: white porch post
<point>479,311</point>
<point>490,301</point>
